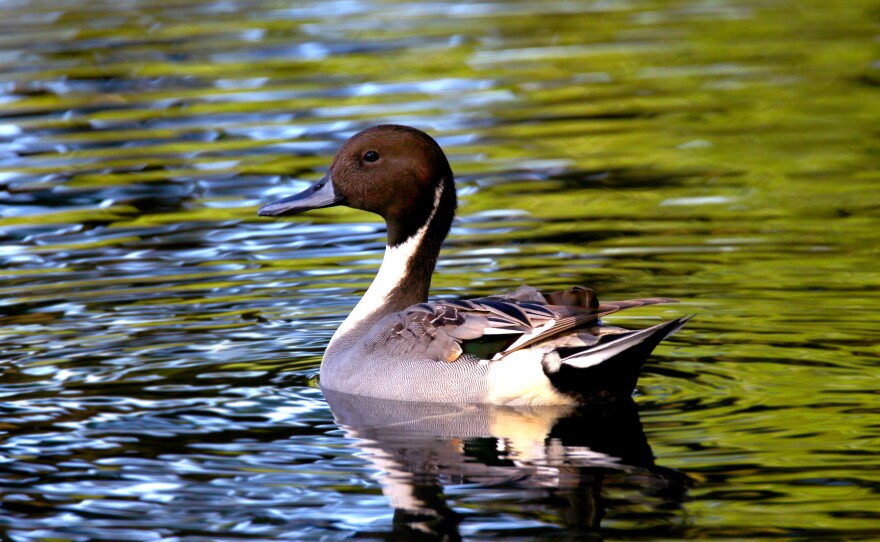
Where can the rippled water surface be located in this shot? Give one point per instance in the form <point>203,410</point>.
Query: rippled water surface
<point>160,343</point>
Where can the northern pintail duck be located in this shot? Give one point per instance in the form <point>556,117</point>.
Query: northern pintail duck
<point>520,348</point>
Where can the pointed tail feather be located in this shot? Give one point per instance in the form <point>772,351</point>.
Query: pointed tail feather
<point>603,352</point>
<point>610,370</point>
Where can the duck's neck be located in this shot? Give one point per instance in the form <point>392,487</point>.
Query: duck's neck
<point>404,277</point>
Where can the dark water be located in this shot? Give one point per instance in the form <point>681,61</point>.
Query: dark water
<point>160,343</point>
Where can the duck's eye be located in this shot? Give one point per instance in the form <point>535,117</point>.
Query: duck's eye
<point>371,156</point>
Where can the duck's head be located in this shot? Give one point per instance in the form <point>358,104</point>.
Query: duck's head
<point>397,172</point>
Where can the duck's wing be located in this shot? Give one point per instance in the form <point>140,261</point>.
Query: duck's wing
<point>569,318</point>
<point>490,327</point>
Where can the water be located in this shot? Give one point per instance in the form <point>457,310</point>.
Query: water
<point>160,343</point>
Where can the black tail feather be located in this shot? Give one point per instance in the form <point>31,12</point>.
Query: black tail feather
<point>616,375</point>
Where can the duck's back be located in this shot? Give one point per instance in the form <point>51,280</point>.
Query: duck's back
<point>501,349</point>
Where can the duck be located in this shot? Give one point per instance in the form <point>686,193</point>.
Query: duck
<point>519,348</point>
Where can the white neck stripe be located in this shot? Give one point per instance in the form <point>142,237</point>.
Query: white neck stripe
<point>391,272</point>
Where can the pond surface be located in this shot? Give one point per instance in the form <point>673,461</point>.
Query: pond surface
<point>160,343</point>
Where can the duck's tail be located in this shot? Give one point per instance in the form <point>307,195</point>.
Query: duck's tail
<point>610,368</point>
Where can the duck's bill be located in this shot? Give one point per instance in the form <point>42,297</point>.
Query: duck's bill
<point>317,196</point>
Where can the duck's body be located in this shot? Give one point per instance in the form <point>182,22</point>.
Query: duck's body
<point>519,348</point>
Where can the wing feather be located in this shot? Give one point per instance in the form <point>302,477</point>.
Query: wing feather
<point>437,330</point>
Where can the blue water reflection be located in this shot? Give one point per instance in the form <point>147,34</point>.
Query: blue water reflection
<point>159,343</point>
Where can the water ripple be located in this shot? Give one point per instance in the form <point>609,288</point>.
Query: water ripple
<point>159,343</point>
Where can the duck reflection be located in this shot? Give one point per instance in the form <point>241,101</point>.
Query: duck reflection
<point>555,464</point>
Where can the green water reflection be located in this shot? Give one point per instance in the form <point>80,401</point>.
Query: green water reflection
<point>723,153</point>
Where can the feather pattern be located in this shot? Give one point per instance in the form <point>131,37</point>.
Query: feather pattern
<point>439,329</point>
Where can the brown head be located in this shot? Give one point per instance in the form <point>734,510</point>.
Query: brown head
<point>397,172</point>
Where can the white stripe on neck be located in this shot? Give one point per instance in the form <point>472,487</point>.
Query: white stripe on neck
<point>391,272</point>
